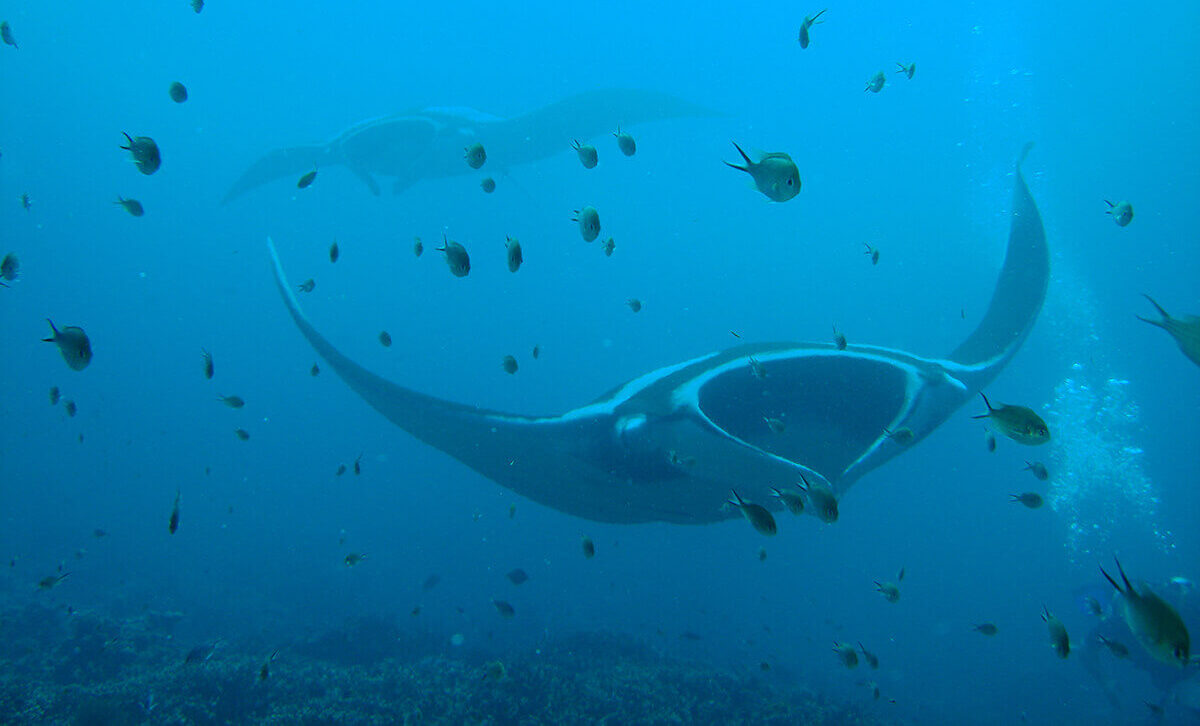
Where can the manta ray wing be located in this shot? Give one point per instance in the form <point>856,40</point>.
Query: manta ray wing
<point>669,445</point>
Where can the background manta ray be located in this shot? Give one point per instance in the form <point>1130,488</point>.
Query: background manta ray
<point>429,143</point>
<point>669,445</point>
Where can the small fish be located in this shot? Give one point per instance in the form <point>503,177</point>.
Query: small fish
<point>415,611</point>
<point>677,459</point>
<point>872,252</point>
<point>200,654</point>
<point>494,670</point>
<point>625,142</point>
<point>307,286</point>
<point>505,609</point>
<point>589,223</point>
<point>825,504</point>
<point>145,153</point>
<point>353,558</point>
<point>358,465</point>
<point>70,407</point>
<point>54,395</point>
<point>1185,330</point>
<point>10,267</point>
<point>762,554</point>
<point>793,500</point>
<point>1156,710</point>
<point>242,434</point>
<point>99,533</point>
<point>846,654</point>
<point>6,35</point>
<point>431,582</point>
<point>1059,640</point>
<point>512,511</point>
<point>1018,423</point>
<point>306,181</point>
<point>756,368</point>
<point>1153,621</point>
<point>989,440</point>
<point>537,351</point>
<point>197,6</point>
<point>877,82</point>
<point>1093,606</point>
<point>418,247</point>
<point>839,340</point>
<point>475,155</point>
<point>907,70</point>
<point>173,522</point>
<point>988,629</point>
<point>1122,212</point>
<point>873,687</point>
<point>340,470</point>
<point>385,339</point>
<point>73,344</point>
<point>314,371</point>
<point>334,252</point>
<point>26,202</point>
<point>809,21</point>
<point>50,581</point>
<point>890,590</point>
<point>608,246</point>
<point>457,258</point>
<point>1038,469</point>
<point>589,547</point>
<point>488,185</point>
<point>509,364</point>
<point>903,435</point>
<point>871,659</point>
<point>634,304</point>
<point>517,576</point>
<point>232,401</point>
<point>206,360</point>
<point>265,671</point>
<point>764,666</point>
<point>178,92</point>
<point>587,154</point>
<point>512,249</point>
<point>775,424</point>
<point>1117,649</point>
<point>1033,500</point>
<point>774,174</point>
<point>756,514</point>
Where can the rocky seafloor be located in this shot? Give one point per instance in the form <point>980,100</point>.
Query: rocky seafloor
<point>75,668</point>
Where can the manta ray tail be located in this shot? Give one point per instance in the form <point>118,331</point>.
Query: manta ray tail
<point>1019,293</point>
<point>278,164</point>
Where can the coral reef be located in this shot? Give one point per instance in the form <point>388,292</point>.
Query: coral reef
<point>82,669</point>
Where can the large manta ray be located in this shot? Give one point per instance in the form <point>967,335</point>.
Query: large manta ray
<point>429,143</point>
<point>669,445</point>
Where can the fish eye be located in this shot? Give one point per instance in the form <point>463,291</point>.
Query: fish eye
<point>789,182</point>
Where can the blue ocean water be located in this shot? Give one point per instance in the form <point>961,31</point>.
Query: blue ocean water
<point>922,171</point>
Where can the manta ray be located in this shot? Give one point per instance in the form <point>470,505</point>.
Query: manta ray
<point>429,143</point>
<point>670,445</point>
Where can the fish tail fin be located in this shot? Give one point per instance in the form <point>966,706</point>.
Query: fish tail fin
<point>1124,579</point>
<point>278,164</point>
<point>1110,580</point>
<point>1165,315</point>
<point>747,158</point>
<point>127,138</point>
<point>51,338</point>
<point>1110,206</point>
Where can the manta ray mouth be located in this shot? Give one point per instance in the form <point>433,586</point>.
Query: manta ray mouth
<point>828,408</point>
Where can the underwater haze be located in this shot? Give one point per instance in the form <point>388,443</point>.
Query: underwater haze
<point>259,543</point>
